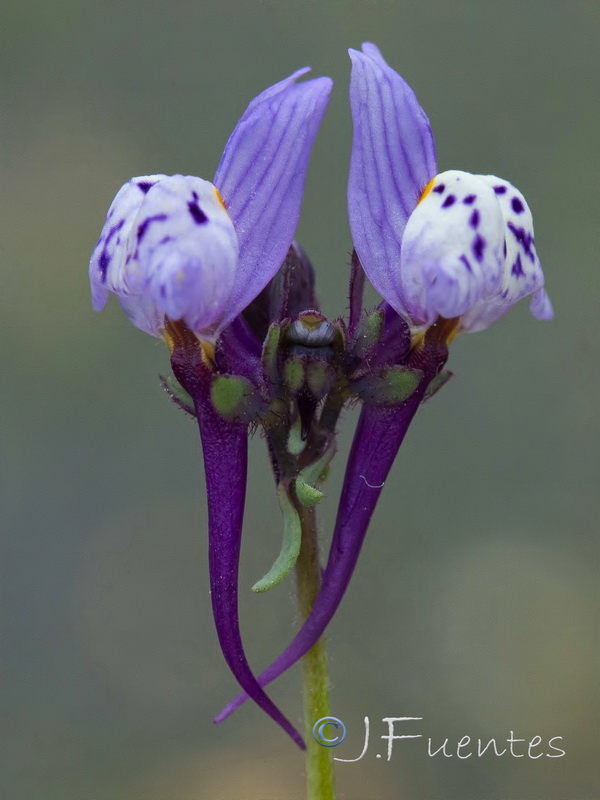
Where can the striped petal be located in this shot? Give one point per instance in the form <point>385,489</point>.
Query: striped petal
<point>393,159</point>
<point>261,178</point>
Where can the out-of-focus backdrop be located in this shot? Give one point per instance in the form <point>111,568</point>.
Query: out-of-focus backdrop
<point>475,603</point>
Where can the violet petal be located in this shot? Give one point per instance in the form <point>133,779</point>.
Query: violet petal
<point>261,178</point>
<point>393,159</point>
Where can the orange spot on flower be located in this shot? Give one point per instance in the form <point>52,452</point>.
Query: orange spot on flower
<point>426,190</point>
<point>220,199</point>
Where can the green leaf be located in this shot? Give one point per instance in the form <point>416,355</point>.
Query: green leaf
<point>308,495</point>
<point>314,473</point>
<point>290,546</point>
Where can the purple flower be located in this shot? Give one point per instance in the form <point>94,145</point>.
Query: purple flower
<point>185,258</point>
<point>186,248</point>
<point>449,245</point>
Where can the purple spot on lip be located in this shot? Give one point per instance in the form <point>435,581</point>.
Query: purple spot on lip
<point>517,205</point>
<point>505,249</point>
<point>198,215</point>
<point>474,221</point>
<point>500,189</point>
<point>517,267</point>
<point>104,259</point>
<point>470,199</point>
<point>449,201</point>
<point>147,222</point>
<point>524,239</point>
<point>145,186</point>
<point>478,248</point>
<point>439,188</point>
<point>103,263</point>
<point>465,261</point>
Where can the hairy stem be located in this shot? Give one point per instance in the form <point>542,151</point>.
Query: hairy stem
<point>319,762</point>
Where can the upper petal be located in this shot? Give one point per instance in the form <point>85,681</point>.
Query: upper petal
<point>453,247</point>
<point>393,159</point>
<point>261,178</point>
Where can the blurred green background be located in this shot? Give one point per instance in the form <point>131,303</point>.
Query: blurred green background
<point>475,604</point>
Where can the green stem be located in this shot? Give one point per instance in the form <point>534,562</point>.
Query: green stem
<point>319,760</point>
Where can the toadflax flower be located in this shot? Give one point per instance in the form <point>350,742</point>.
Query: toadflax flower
<point>185,257</point>
<point>447,252</point>
<point>201,252</point>
<point>449,245</point>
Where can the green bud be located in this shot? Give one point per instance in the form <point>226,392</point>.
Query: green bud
<point>290,546</point>
<point>234,398</point>
<point>294,374</point>
<point>319,377</point>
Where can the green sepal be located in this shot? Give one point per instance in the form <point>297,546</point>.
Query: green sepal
<point>269,353</point>
<point>388,387</point>
<point>290,546</point>
<point>369,333</point>
<point>178,394</point>
<point>436,383</point>
<point>234,398</point>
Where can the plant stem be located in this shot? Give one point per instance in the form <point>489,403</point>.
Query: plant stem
<point>319,762</point>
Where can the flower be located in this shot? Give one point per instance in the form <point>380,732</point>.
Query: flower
<point>186,248</point>
<point>449,245</point>
<point>185,257</point>
<point>453,246</point>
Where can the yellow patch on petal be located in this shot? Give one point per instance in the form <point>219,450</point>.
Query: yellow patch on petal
<point>426,190</point>
<point>208,353</point>
<point>220,199</point>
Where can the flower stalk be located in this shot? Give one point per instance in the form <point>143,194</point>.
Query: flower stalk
<point>320,781</point>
